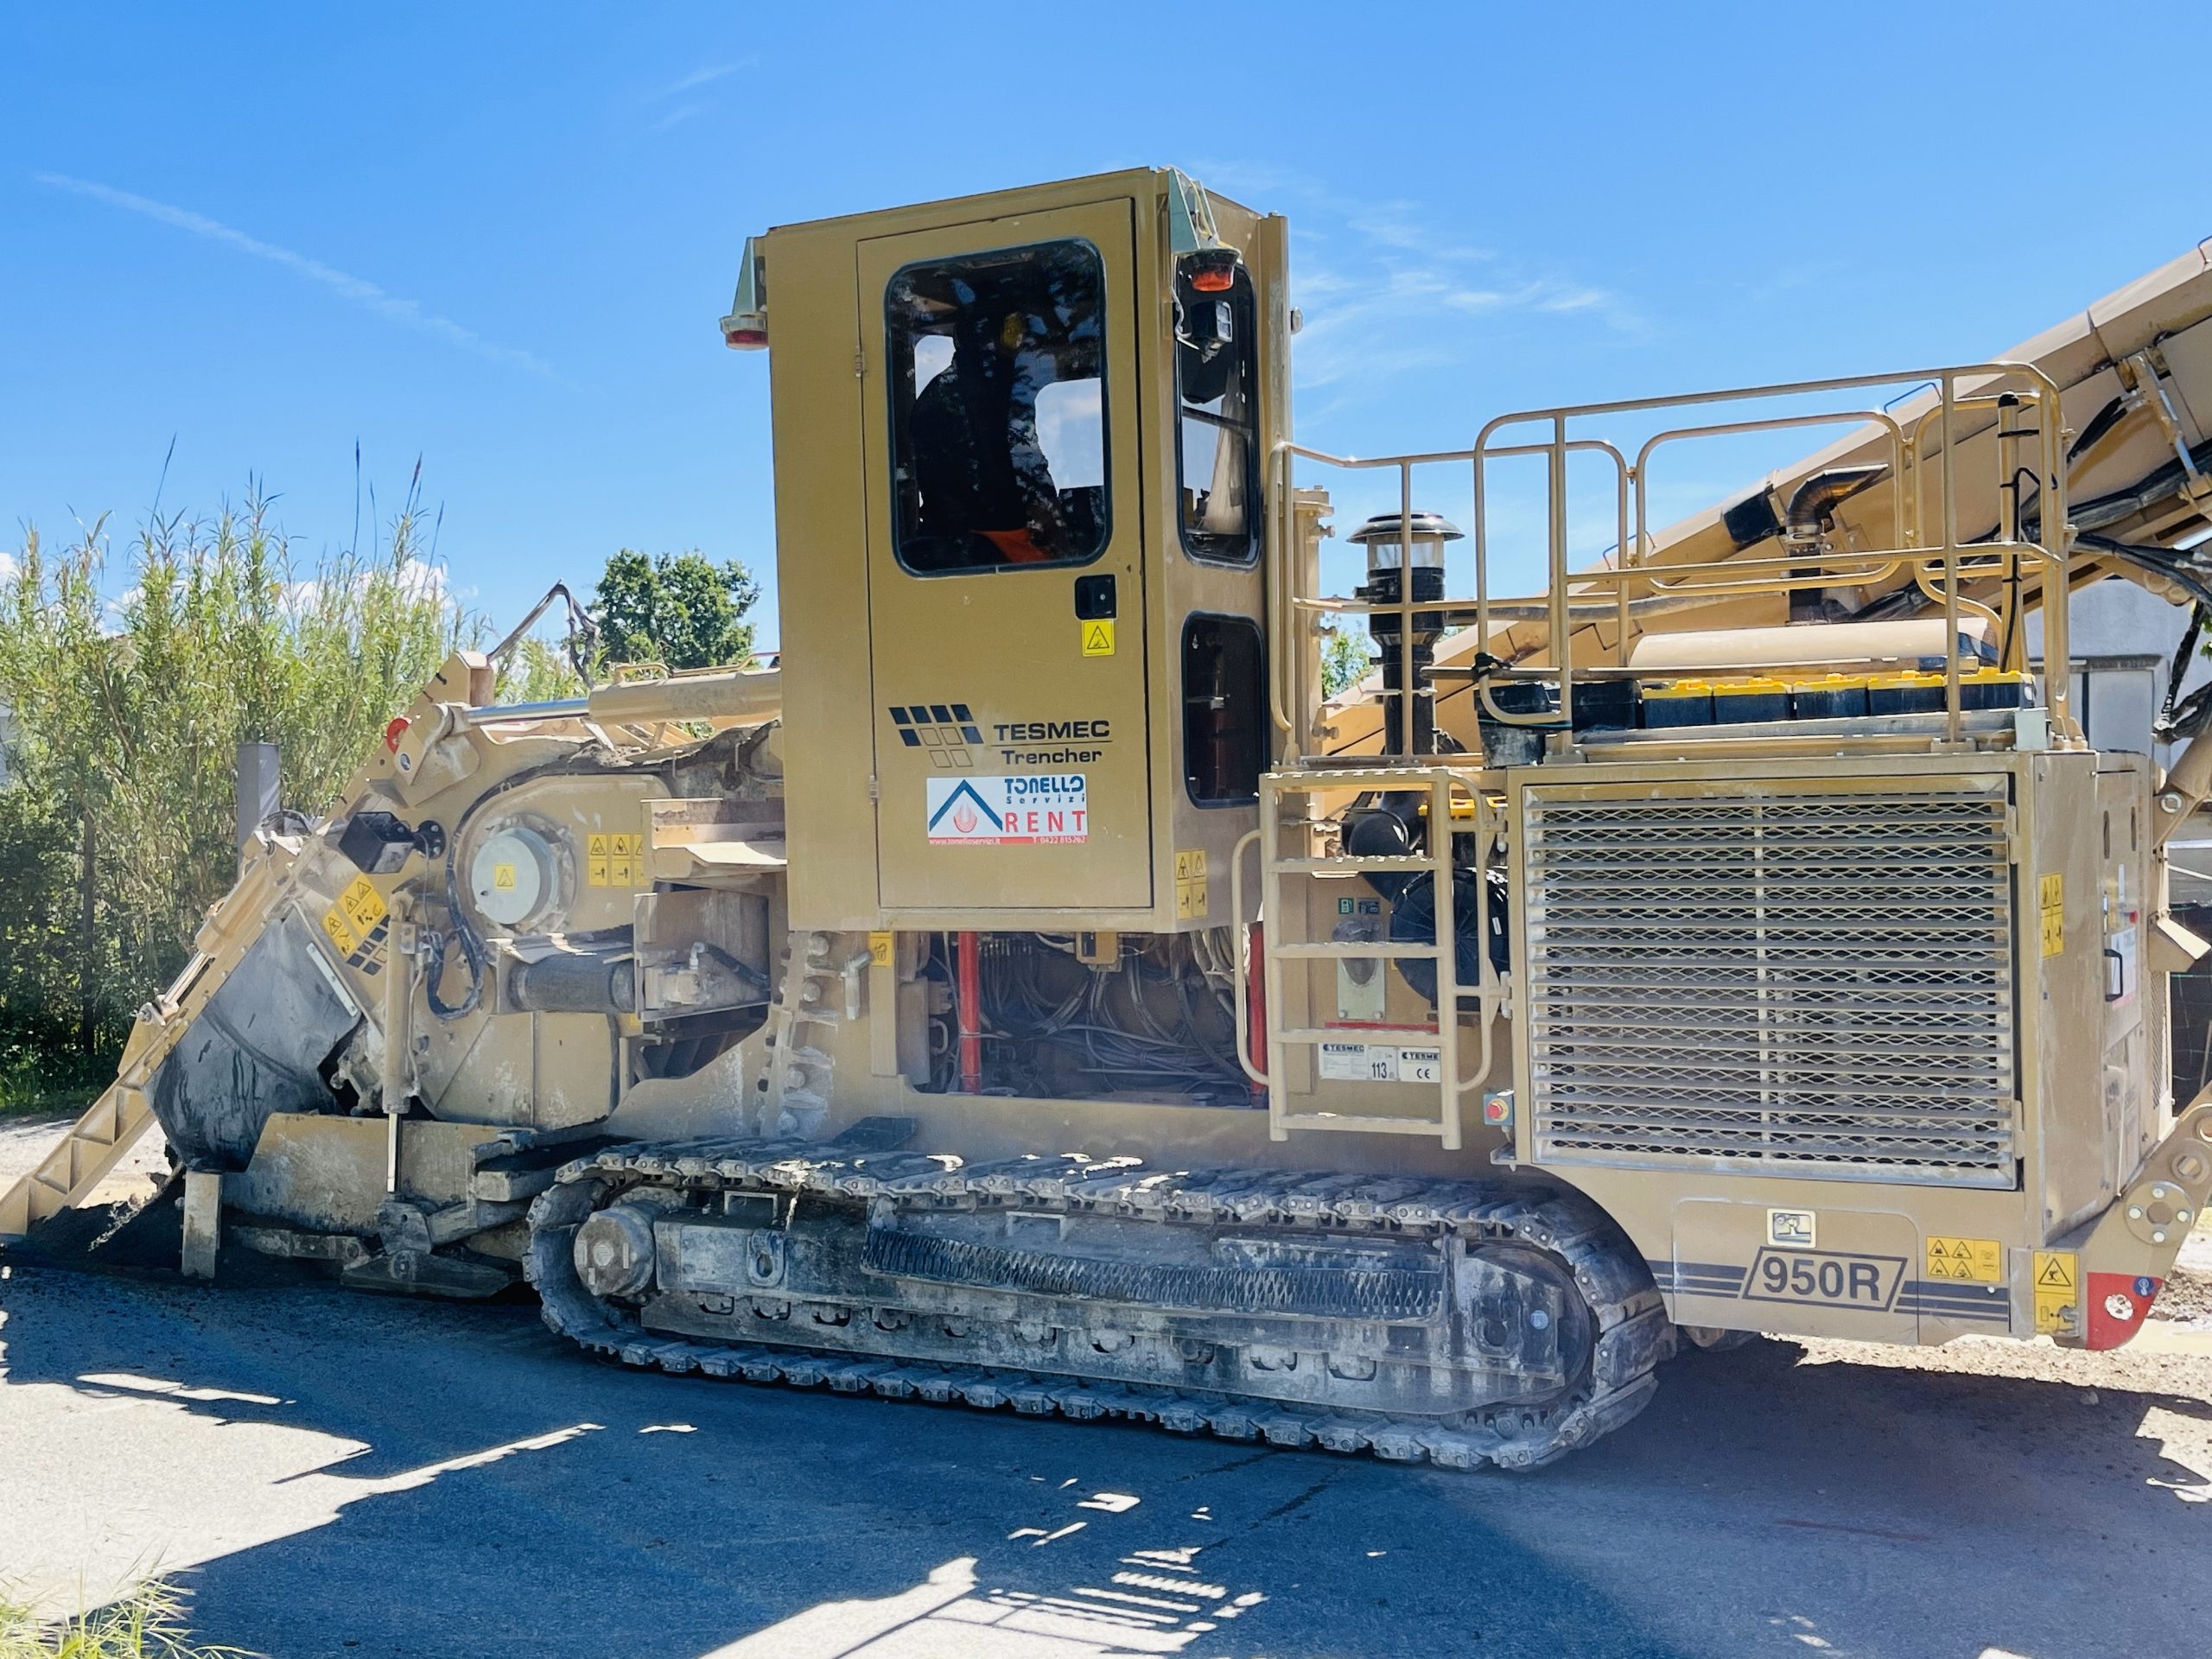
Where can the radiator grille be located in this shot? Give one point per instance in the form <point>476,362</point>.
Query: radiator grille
<point>1800,981</point>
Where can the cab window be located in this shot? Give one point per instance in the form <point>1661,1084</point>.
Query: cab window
<point>1216,450</point>
<point>998,409</point>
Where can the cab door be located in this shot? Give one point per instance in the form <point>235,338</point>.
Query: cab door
<point>1006,565</point>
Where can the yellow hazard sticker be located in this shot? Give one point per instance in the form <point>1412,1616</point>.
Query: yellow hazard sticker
<point>879,949</point>
<point>1973,1261</point>
<point>614,860</point>
<point>1097,638</point>
<point>2052,890</point>
<point>2057,1285</point>
<point>358,924</point>
<point>503,877</point>
<point>340,934</point>
<point>1192,898</point>
<point>358,912</point>
<point>363,904</point>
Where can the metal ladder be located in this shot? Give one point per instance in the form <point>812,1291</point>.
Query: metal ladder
<point>1440,783</point>
<point>96,1143</point>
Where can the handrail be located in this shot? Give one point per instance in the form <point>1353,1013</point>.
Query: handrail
<point>1639,577</point>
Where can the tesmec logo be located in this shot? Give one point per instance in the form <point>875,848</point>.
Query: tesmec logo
<point>946,729</point>
<point>1026,812</point>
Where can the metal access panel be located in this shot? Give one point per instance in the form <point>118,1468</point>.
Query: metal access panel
<point>1007,648</point>
<point>1797,976</point>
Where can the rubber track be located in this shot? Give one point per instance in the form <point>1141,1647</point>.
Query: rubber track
<point>1632,1336</point>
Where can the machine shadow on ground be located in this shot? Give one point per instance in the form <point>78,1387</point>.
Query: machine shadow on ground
<point>483,1489</point>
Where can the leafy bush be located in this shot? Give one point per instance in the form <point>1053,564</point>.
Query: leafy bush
<point>124,717</point>
<point>118,819</point>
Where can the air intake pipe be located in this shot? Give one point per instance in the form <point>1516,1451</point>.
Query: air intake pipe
<point>1408,719</point>
<point>1811,515</point>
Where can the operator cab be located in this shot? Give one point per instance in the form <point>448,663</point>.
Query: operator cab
<point>1022,607</point>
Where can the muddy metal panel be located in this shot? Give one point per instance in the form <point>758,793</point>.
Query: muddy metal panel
<point>327,1173</point>
<point>255,1049</point>
<point>2064,1019</point>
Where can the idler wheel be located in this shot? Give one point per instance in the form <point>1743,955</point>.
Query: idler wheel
<point>614,1251</point>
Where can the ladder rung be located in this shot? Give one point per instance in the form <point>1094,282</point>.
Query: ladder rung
<point>1372,861</point>
<point>1343,948</point>
<point>1366,1125</point>
<point>1412,1036</point>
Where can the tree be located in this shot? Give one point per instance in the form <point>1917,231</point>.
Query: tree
<point>1346,658</point>
<point>680,610</point>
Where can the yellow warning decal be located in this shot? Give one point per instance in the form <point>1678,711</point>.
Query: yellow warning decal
<point>1974,1261</point>
<point>341,935</point>
<point>503,877</point>
<point>362,903</point>
<point>879,949</point>
<point>614,860</point>
<point>1097,638</point>
<point>1192,898</point>
<point>358,924</point>
<point>2057,1284</point>
<point>356,915</point>
<point>2052,890</point>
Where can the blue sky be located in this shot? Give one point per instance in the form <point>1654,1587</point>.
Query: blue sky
<point>498,237</point>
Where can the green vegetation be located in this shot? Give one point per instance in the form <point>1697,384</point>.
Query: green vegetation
<point>124,715</point>
<point>1346,656</point>
<point>679,610</point>
<point>147,1623</point>
<point>117,817</point>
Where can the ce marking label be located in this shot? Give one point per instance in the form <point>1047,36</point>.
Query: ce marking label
<point>1829,1278</point>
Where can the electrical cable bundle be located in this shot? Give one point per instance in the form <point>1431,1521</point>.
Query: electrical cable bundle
<point>1142,1024</point>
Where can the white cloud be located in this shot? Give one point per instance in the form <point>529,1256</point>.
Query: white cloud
<point>1382,284</point>
<point>8,567</point>
<point>419,579</point>
<point>359,290</point>
<point>704,76</point>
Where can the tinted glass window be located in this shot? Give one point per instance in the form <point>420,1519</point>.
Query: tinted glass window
<point>1217,454</point>
<point>998,409</point>
<point>1224,709</point>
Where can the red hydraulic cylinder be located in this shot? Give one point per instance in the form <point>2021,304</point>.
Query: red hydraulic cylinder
<point>970,969</point>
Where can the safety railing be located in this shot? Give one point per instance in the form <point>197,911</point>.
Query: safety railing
<point>1443,787</point>
<point>1930,463</point>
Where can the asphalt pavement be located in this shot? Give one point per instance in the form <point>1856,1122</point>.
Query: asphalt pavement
<point>335,1474</point>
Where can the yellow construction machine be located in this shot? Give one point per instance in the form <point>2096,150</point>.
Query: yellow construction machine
<point>1041,990</point>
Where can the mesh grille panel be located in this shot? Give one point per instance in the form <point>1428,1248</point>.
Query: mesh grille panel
<point>1807,981</point>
